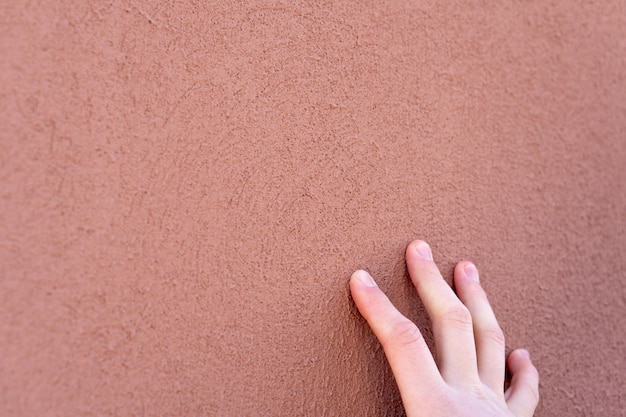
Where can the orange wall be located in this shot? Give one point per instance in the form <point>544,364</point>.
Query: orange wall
<point>187,186</point>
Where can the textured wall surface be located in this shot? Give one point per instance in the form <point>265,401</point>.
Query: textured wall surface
<point>186,187</point>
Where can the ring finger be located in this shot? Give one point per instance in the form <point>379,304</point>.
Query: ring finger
<point>489,337</point>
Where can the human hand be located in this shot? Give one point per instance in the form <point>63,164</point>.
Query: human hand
<point>468,378</point>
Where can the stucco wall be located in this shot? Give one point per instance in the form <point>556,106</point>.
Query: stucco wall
<point>186,187</point>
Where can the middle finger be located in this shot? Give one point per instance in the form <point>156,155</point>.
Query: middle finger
<point>452,321</point>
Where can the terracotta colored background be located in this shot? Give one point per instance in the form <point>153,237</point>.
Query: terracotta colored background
<point>187,186</point>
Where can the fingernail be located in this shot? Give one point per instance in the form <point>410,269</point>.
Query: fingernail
<point>471,272</point>
<point>524,354</point>
<point>364,278</point>
<point>423,250</point>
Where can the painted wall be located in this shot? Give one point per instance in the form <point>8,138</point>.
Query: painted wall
<point>186,187</point>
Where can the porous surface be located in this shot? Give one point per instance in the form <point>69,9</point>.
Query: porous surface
<point>186,187</point>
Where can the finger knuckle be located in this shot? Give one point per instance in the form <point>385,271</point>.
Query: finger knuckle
<point>494,334</point>
<point>456,316</point>
<point>533,392</point>
<point>530,383</point>
<point>441,402</point>
<point>404,333</point>
<point>531,373</point>
<point>534,376</point>
<point>447,406</point>
<point>535,395</point>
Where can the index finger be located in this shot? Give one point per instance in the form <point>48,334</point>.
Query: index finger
<point>410,359</point>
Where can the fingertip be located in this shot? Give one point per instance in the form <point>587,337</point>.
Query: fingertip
<point>523,394</point>
<point>519,363</point>
<point>517,359</point>
<point>470,271</point>
<point>362,277</point>
<point>364,292</point>
<point>466,271</point>
<point>419,248</point>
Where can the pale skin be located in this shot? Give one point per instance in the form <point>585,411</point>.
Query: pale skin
<point>467,380</point>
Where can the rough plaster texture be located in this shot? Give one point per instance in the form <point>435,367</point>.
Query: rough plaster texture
<point>186,187</point>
